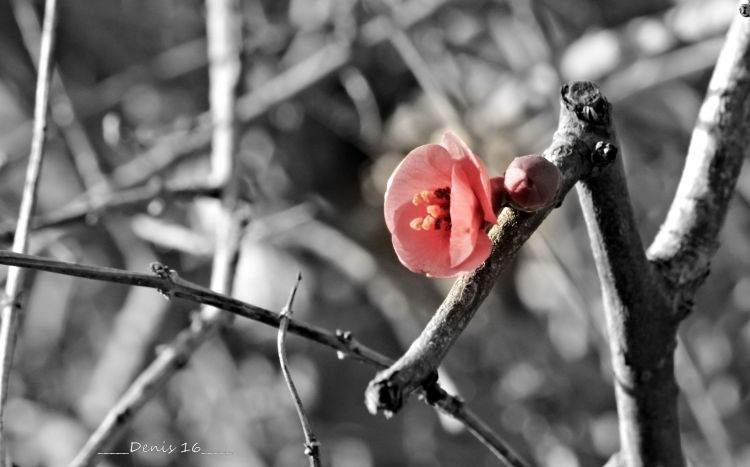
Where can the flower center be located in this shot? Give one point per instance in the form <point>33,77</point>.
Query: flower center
<point>437,205</point>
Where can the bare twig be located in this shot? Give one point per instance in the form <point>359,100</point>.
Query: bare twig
<point>434,395</point>
<point>223,33</point>
<point>173,357</point>
<point>650,72</point>
<point>85,158</point>
<point>572,151</point>
<point>90,209</point>
<point>168,151</point>
<point>312,446</point>
<point>362,96</point>
<point>11,306</point>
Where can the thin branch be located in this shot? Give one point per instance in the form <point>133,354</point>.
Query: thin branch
<point>640,324</point>
<point>363,97</point>
<point>169,150</point>
<point>224,37</point>
<point>82,152</point>
<point>11,306</point>
<point>572,151</point>
<point>427,79</point>
<point>312,446</point>
<point>91,209</point>
<point>173,357</point>
<point>437,397</point>
<point>686,242</point>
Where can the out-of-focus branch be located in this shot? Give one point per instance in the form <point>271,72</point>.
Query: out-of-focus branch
<point>91,209</point>
<point>11,303</point>
<point>282,87</point>
<point>82,152</point>
<point>133,331</point>
<point>639,320</point>
<point>688,239</point>
<point>224,39</point>
<point>571,151</point>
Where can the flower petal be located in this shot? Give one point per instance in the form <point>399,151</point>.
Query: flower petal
<point>475,169</point>
<point>481,252</point>
<point>466,218</point>
<point>420,251</point>
<point>427,167</point>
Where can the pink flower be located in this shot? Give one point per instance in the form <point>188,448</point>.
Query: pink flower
<point>436,205</point>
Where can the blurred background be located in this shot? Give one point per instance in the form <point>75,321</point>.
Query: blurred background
<point>334,93</point>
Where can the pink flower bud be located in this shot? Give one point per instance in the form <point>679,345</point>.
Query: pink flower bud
<point>531,183</point>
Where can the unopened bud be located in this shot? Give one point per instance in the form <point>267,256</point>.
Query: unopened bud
<point>531,183</point>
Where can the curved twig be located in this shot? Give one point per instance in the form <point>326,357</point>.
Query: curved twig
<point>312,446</point>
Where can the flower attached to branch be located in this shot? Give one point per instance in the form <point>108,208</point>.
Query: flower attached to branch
<point>437,204</point>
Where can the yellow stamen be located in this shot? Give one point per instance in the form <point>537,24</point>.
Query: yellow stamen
<point>416,223</point>
<point>436,210</point>
<point>438,203</point>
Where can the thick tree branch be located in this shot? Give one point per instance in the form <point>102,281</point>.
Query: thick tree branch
<point>572,151</point>
<point>688,239</point>
<point>640,325</point>
<point>645,305</point>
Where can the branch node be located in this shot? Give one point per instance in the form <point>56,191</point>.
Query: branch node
<point>312,448</point>
<point>587,102</point>
<point>432,392</point>
<point>383,396</point>
<point>344,336</point>
<point>164,272</point>
<point>346,339</point>
<point>604,154</point>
